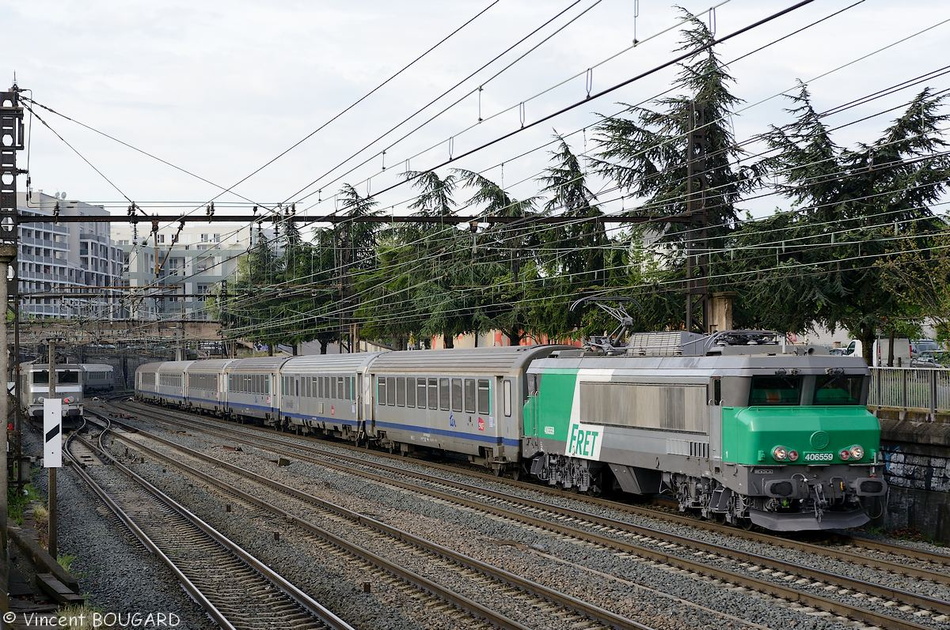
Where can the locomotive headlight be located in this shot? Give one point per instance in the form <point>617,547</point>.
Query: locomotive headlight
<point>780,453</point>
<point>67,400</point>
<point>845,454</point>
<point>793,456</point>
<point>857,451</point>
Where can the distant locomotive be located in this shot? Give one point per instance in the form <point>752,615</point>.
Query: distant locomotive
<point>733,425</point>
<point>34,388</point>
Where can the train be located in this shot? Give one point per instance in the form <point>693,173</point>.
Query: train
<point>737,426</point>
<point>74,381</point>
<point>99,378</point>
<point>34,388</point>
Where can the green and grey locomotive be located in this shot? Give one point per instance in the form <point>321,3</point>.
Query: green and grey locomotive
<point>734,425</point>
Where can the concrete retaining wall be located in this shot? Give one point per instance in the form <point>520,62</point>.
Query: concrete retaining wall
<point>917,458</point>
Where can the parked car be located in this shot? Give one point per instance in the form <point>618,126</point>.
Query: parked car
<point>920,347</point>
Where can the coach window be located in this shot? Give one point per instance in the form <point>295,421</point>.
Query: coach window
<point>381,390</point>
<point>470,395</point>
<point>391,391</point>
<point>716,390</point>
<point>348,383</point>
<point>444,394</point>
<point>411,392</point>
<point>421,393</point>
<point>433,393</point>
<point>457,394</point>
<point>340,391</point>
<point>484,404</point>
<point>400,391</point>
<point>507,398</point>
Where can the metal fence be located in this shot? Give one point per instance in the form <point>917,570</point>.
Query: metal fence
<point>919,389</point>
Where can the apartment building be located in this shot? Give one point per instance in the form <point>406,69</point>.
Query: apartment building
<point>172,271</point>
<point>67,270</point>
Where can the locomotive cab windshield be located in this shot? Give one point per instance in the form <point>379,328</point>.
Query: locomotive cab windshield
<point>775,390</point>
<point>62,376</point>
<point>820,389</point>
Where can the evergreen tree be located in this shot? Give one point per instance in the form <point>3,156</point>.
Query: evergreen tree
<point>572,255</point>
<point>355,246</point>
<point>680,158</point>
<point>838,258</point>
<point>503,260</point>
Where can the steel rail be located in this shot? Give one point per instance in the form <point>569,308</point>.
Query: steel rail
<point>823,603</point>
<point>311,606</point>
<point>535,589</point>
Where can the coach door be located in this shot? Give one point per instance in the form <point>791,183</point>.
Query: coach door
<point>365,414</point>
<point>506,417</point>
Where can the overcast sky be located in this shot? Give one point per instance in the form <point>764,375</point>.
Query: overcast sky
<point>219,88</point>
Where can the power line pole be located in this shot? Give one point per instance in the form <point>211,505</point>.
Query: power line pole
<point>697,281</point>
<point>11,141</point>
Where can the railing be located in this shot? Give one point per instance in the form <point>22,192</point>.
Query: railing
<point>921,389</point>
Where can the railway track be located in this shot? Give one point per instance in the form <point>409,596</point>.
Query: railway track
<point>562,609</point>
<point>235,589</point>
<point>852,550</point>
<point>749,570</point>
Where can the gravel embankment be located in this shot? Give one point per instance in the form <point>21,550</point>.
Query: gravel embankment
<point>120,576</point>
